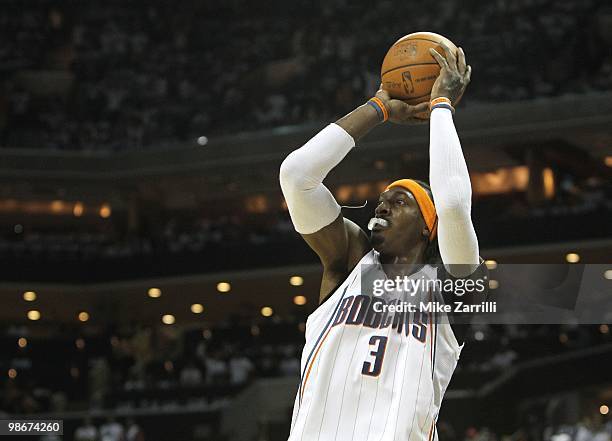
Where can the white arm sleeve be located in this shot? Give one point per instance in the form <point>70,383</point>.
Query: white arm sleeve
<point>310,203</point>
<point>452,192</point>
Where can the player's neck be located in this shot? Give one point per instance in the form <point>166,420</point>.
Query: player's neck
<point>405,263</point>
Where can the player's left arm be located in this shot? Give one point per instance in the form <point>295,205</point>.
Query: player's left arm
<point>448,173</point>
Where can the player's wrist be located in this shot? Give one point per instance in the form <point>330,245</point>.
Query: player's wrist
<point>441,102</point>
<point>381,108</point>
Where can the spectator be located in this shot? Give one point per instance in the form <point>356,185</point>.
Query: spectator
<point>86,431</point>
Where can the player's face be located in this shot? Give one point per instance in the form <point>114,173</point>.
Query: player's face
<point>404,223</point>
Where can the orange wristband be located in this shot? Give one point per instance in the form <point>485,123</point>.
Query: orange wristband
<point>441,102</point>
<point>377,102</point>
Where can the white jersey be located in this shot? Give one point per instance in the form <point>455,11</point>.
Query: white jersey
<point>372,376</point>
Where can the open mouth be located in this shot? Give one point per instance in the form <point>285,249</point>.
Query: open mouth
<point>378,223</point>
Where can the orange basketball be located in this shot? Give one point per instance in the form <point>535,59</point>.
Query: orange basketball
<point>409,71</point>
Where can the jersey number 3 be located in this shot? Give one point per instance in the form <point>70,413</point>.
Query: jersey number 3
<point>373,368</point>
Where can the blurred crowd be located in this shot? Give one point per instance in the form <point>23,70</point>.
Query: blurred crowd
<point>123,75</point>
<point>143,367</point>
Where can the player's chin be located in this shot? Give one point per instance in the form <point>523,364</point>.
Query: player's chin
<point>377,239</point>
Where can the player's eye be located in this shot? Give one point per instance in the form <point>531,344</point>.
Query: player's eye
<point>400,202</point>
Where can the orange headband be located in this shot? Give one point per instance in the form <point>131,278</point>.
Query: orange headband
<point>428,210</point>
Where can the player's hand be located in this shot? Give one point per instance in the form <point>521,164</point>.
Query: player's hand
<point>401,112</point>
<point>454,74</point>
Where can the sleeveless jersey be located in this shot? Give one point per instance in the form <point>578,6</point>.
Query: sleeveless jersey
<point>372,376</point>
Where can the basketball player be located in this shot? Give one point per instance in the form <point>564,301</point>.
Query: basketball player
<point>370,375</point>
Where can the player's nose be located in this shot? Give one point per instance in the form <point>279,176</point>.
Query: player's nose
<point>382,209</point>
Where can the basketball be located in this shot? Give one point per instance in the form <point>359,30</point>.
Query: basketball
<point>408,70</point>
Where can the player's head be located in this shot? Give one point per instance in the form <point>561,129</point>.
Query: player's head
<point>405,221</point>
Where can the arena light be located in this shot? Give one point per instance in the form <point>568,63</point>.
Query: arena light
<point>197,308</point>
<point>299,300</point>
<point>493,284</point>
<point>603,409</point>
<point>78,209</point>
<point>608,274</point>
<point>105,211</point>
<point>34,315</point>
<point>224,287</point>
<point>491,264</point>
<point>572,257</point>
<point>154,293</point>
<point>266,311</point>
<point>12,373</point>
<point>57,206</point>
<point>83,316</point>
<point>168,319</point>
<point>296,281</point>
<point>202,140</point>
<point>29,296</point>
<point>22,342</point>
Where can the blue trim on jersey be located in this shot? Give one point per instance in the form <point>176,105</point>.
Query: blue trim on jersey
<point>319,339</point>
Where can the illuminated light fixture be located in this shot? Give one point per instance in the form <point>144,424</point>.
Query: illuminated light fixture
<point>22,342</point>
<point>56,206</point>
<point>34,315</point>
<point>154,293</point>
<point>79,343</point>
<point>266,311</point>
<point>608,274</point>
<point>202,140</point>
<point>548,177</point>
<point>299,300</point>
<point>603,409</point>
<point>572,258</point>
<point>78,209</point>
<point>83,316</point>
<point>197,308</point>
<point>493,284</point>
<point>604,329</point>
<point>168,319</point>
<point>29,296</point>
<point>105,211</point>
<point>491,264</point>
<point>380,164</point>
<point>296,281</point>
<point>12,373</point>
<point>224,287</point>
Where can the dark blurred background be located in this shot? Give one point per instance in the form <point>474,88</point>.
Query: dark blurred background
<point>152,285</point>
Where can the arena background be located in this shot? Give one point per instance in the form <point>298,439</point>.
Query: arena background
<point>150,273</point>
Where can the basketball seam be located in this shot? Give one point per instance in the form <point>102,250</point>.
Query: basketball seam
<point>406,65</point>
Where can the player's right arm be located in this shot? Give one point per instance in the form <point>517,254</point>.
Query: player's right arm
<point>338,242</point>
